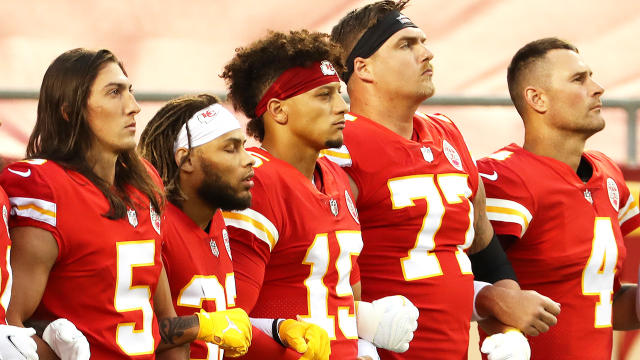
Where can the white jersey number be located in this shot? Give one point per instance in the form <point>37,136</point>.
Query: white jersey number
<point>318,257</point>
<point>598,275</point>
<point>132,254</point>
<point>202,288</point>
<point>421,262</point>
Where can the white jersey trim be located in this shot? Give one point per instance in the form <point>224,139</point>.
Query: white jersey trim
<point>629,210</point>
<point>339,156</point>
<point>509,211</point>
<point>253,222</point>
<point>36,209</point>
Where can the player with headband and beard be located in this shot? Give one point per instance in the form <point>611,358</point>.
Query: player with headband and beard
<point>198,148</point>
<point>296,246</point>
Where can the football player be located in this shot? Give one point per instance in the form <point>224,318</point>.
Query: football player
<point>559,210</point>
<point>419,197</point>
<point>198,148</point>
<point>296,246</point>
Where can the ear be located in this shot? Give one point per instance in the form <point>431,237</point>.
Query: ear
<point>64,111</point>
<point>277,109</point>
<point>183,155</point>
<point>536,99</point>
<point>362,69</point>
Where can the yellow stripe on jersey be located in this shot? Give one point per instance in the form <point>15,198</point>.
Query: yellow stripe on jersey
<point>629,210</point>
<point>36,209</point>
<point>508,211</point>
<point>253,222</point>
<point>339,156</point>
<point>349,117</point>
<point>500,155</point>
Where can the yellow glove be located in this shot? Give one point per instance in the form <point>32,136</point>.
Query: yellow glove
<point>230,329</point>
<point>305,338</point>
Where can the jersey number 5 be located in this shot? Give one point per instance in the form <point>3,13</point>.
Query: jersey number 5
<point>128,297</point>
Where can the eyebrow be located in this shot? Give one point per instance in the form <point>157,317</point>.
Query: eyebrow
<point>416,38</point>
<point>120,85</point>
<point>234,140</point>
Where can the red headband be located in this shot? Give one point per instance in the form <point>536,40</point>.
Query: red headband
<point>296,81</point>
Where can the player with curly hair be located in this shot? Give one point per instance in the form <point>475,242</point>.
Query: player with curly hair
<point>295,248</point>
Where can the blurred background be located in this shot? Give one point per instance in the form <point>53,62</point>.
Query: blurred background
<point>171,48</point>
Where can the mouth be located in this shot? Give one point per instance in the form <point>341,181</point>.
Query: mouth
<point>247,182</point>
<point>596,107</point>
<point>340,123</point>
<point>131,126</point>
<point>428,71</point>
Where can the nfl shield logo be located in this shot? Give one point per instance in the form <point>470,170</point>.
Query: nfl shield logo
<point>155,219</point>
<point>427,154</point>
<point>587,195</point>
<point>133,219</point>
<point>225,238</point>
<point>334,207</point>
<point>214,248</point>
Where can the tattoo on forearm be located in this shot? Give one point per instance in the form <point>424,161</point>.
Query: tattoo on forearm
<point>172,329</point>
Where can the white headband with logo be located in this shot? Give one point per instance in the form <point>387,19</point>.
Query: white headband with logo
<point>206,125</point>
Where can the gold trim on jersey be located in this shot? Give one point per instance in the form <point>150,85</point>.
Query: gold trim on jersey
<point>253,222</point>
<point>508,211</point>
<point>36,209</point>
<point>339,156</point>
<point>629,210</point>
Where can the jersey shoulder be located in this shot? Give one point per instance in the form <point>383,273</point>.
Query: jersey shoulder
<point>34,188</point>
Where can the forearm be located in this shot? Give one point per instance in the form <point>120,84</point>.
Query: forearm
<point>489,299</point>
<point>44,350</point>
<point>177,331</point>
<point>624,309</point>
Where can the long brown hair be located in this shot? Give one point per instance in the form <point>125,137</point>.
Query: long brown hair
<point>62,133</point>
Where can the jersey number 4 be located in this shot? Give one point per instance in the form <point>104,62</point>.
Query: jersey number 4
<point>598,275</point>
<point>421,262</point>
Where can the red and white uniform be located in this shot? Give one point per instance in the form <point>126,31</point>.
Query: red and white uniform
<point>570,245</point>
<point>199,269</point>
<point>414,201</point>
<point>5,246</point>
<point>106,272</point>
<point>294,248</point>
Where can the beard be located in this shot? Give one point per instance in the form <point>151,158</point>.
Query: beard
<point>333,143</point>
<point>219,193</point>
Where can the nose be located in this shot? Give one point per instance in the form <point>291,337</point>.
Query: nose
<point>598,89</point>
<point>248,160</point>
<point>425,53</point>
<point>133,107</point>
<point>340,106</point>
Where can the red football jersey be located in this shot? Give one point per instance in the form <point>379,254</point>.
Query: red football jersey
<point>414,201</point>
<point>106,272</point>
<point>5,246</point>
<point>570,244</point>
<point>294,247</point>
<point>199,269</point>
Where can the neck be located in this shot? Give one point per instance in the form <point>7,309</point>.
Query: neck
<point>103,165</point>
<point>563,146</point>
<point>394,113</point>
<point>200,212</point>
<point>297,154</point>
